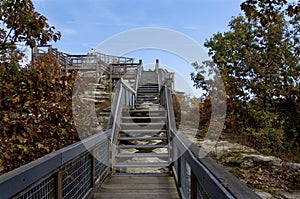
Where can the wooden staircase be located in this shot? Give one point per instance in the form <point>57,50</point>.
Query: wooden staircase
<point>99,94</point>
<point>143,141</point>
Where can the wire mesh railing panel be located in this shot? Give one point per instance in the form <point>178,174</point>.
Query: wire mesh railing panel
<point>101,159</point>
<point>42,190</point>
<point>71,172</point>
<point>77,177</point>
<point>175,157</point>
<point>185,177</point>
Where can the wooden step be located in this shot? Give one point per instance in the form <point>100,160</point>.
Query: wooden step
<point>145,118</point>
<point>148,102</point>
<point>142,88</point>
<point>126,110</point>
<point>143,99</point>
<point>143,111</point>
<point>142,138</point>
<point>146,105</point>
<point>133,187</point>
<point>148,86</point>
<point>152,128</point>
<point>141,164</point>
<point>92,100</point>
<point>147,94</point>
<point>144,124</point>
<point>142,155</point>
<point>144,131</point>
<point>147,99</point>
<point>100,93</point>
<point>145,174</point>
<point>96,97</point>
<point>141,146</point>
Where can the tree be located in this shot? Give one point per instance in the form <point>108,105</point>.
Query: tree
<point>258,59</point>
<point>22,24</point>
<point>36,99</point>
<point>35,112</point>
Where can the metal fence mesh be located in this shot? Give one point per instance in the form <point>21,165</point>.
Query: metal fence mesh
<point>42,190</point>
<point>101,159</point>
<point>77,177</point>
<point>185,177</point>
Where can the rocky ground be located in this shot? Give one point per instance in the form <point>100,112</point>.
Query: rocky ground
<point>269,176</point>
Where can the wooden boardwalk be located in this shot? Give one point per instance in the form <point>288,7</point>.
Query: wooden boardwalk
<point>138,187</point>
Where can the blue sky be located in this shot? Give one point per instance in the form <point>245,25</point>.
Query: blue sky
<point>84,24</point>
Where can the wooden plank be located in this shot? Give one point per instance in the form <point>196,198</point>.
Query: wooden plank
<point>141,164</point>
<point>132,195</point>
<point>141,138</point>
<point>153,146</point>
<point>142,155</point>
<point>148,187</point>
<point>146,131</point>
<point>138,179</point>
<point>136,186</point>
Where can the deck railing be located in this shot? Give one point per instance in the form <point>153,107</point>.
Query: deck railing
<point>75,61</point>
<point>165,78</point>
<point>138,76</point>
<point>110,59</point>
<point>124,96</point>
<point>72,172</point>
<point>199,177</point>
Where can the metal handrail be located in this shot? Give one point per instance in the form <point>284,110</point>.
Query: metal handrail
<point>51,175</point>
<point>195,177</point>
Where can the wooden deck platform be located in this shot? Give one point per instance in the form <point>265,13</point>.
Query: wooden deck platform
<point>138,187</point>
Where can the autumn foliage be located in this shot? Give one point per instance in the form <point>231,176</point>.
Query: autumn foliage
<point>36,99</point>
<point>35,112</point>
<point>258,59</point>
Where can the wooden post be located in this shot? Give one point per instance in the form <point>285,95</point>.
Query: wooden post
<point>59,185</point>
<point>193,186</point>
<point>179,171</point>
